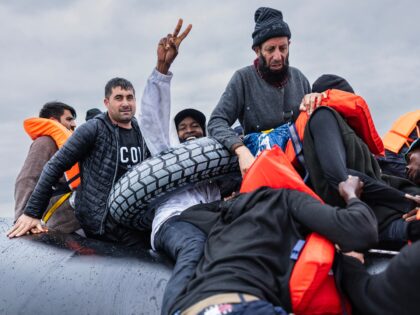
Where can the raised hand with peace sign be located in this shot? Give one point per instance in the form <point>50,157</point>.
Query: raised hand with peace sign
<point>168,47</point>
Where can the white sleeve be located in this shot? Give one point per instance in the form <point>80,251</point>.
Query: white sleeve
<point>155,112</point>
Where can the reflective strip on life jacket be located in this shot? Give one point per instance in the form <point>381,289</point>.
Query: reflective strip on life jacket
<point>312,287</point>
<point>399,134</point>
<point>38,127</point>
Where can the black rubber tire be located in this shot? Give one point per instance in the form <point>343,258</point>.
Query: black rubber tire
<point>133,197</point>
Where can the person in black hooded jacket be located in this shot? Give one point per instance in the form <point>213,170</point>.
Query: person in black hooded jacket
<point>105,147</point>
<point>250,239</point>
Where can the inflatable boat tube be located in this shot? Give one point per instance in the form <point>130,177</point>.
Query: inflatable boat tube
<point>135,194</point>
<point>56,273</point>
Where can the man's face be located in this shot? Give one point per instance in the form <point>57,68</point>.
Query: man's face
<point>189,129</point>
<point>121,105</point>
<point>275,51</point>
<point>413,166</point>
<point>67,120</point>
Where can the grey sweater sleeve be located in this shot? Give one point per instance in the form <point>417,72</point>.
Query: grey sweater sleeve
<point>226,112</point>
<point>155,112</point>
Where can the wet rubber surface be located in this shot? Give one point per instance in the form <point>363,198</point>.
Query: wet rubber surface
<point>58,273</point>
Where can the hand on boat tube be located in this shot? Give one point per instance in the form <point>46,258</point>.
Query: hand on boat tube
<point>245,158</point>
<point>310,102</point>
<point>168,47</point>
<point>25,225</point>
<point>350,188</point>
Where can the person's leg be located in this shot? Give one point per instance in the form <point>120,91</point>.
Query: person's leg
<point>379,195</point>
<point>184,243</point>
<point>329,146</point>
<point>331,153</point>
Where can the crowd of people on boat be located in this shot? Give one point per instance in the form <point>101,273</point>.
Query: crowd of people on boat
<point>231,247</point>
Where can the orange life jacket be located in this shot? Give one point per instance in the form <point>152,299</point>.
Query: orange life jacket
<point>312,287</point>
<point>354,110</point>
<point>399,134</point>
<point>38,127</point>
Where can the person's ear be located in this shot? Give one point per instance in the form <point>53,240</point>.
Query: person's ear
<point>106,102</point>
<point>257,50</point>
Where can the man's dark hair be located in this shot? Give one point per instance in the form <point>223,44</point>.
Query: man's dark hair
<point>55,110</point>
<point>118,82</point>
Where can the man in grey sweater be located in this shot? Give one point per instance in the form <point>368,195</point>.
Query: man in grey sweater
<point>264,95</point>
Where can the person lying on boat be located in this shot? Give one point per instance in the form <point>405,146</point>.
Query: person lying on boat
<point>246,265</point>
<point>182,241</point>
<point>54,117</point>
<point>332,151</point>
<point>105,148</point>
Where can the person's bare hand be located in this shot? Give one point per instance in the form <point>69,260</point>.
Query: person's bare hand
<point>232,195</point>
<point>310,102</point>
<point>350,188</point>
<point>358,256</point>
<point>168,47</point>
<point>25,225</point>
<point>411,215</point>
<point>245,158</point>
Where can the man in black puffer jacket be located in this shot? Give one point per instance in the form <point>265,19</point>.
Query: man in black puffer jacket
<point>105,147</point>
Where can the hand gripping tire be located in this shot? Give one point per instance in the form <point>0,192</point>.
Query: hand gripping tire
<point>134,196</point>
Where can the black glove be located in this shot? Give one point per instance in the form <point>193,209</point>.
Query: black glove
<point>413,230</point>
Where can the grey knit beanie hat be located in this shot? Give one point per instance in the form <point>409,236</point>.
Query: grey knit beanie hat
<point>268,24</point>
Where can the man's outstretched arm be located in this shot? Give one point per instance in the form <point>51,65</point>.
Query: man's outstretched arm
<point>155,109</point>
<point>352,228</point>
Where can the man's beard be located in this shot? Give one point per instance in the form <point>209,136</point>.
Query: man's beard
<point>273,77</point>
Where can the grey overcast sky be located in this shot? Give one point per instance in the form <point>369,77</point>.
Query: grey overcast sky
<point>68,50</point>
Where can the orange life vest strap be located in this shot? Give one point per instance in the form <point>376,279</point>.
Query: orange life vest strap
<point>37,127</point>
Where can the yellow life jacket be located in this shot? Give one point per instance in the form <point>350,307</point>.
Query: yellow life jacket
<point>38,127</point>
<point>399,134</point>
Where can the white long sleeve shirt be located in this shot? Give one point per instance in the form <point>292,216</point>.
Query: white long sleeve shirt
<point>160,134</point>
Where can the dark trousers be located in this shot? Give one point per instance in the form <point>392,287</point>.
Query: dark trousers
<point>184,243</point>
<point>331,152</point>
